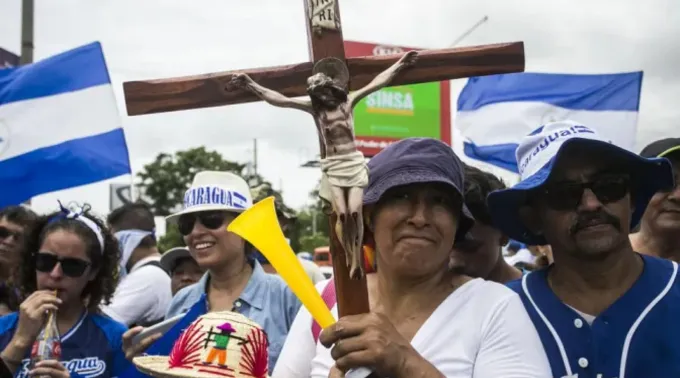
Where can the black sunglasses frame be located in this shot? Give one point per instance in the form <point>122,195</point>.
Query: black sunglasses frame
<point>209,219</point>
<point>70,266</point>
<point>567,195</point>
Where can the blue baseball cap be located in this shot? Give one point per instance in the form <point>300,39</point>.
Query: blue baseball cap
<point>417,160</point>
<point>536,156</point>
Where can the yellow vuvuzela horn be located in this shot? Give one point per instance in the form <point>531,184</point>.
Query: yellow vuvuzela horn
<point>260,226</point>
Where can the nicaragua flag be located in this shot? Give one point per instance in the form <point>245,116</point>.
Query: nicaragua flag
<point>59,125</point>
<point>495,112</point>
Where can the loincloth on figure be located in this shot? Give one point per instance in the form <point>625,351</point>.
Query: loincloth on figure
<point>344,171</point>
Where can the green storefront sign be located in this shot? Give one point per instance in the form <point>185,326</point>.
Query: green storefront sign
<point>401,112</point>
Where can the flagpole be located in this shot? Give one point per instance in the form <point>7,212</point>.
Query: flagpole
<point>132,186</point>
<point>26,40</point>
<point>26,32</point>
<point>469,31</point>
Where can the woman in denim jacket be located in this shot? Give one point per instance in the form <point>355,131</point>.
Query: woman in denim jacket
<point>234,281</point>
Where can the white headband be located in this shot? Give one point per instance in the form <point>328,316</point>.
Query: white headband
<point>70,214</point>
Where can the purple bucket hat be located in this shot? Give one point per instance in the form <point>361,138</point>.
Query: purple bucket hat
<point>417,160</point>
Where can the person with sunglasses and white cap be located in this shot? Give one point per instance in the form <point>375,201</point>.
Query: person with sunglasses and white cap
<point>602,310</point>
<point>235,280</point>
<point>72,254</point>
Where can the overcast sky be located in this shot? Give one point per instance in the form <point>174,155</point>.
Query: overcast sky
<point>147,39</point>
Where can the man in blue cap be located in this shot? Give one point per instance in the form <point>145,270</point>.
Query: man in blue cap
<point>601,309</point>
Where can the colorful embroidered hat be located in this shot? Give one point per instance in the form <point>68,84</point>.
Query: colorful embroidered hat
<point>217,344</point>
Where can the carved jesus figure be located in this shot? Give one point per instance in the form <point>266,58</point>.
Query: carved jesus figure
<point>344,168</point>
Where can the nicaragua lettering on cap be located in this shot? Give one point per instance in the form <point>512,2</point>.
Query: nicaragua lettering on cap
<point>576,129</point>
<point>213,195</point>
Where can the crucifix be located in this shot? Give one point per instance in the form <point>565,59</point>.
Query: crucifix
<point>333,84</point>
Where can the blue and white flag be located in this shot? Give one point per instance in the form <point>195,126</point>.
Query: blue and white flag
<point>495,112</point>
<point>59,125</point>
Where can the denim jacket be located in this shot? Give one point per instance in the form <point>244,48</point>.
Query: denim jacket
<point>266,300</point>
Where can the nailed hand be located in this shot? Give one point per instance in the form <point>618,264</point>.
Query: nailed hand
<point>239,80</point>
<point>409,59</point>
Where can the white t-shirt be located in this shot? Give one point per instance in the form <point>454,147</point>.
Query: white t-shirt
<point>587,317</point>
<point>142,296</point>
<point>480,331</point>
<point>299,348</point>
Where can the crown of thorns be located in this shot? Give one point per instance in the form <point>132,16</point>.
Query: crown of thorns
<point>333,68</point>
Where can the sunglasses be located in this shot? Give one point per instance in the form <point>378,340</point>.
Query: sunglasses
<point>72,267</point>
<point>209,219</point>
<point>6,232</point>
<point>567,195</point>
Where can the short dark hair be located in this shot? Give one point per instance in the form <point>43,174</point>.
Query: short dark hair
<point>20,215</point>
<point>478,185</point>
<point>134,216</point>
<point>101,288</point>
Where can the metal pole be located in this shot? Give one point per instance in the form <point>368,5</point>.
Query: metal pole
<point>313,222</point>
<point>26,40</point>
<point>132,187</point>
<point>26,32</point>
<point>469,31</point>
<point>255,156</point>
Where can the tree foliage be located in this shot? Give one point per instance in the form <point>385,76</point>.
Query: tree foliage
<point>171,239</point>
<point>286,216</point>
<point>165,180</point>
<point>312,224</point>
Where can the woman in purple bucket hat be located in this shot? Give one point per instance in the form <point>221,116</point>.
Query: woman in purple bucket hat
<point>425,320</point>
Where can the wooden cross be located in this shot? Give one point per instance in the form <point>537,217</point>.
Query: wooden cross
<point>325,40</point>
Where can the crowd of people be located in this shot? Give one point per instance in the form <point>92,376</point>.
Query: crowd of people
<point>599,297</point>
